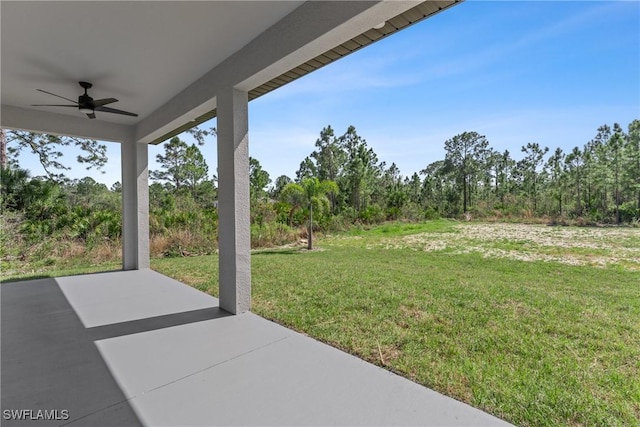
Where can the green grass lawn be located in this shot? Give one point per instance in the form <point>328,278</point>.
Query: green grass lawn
<point>533,340</point>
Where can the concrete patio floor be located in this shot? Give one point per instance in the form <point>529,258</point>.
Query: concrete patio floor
<point>133,348</point>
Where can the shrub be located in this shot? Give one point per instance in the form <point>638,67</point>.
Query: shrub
<point>431,213</point>
<point>11,237</point>
<point>412,212</point>
<point>628,212</point>
<point>372,214</point>
<point>271,234</point>
<point>393,213</point>
<point>334,223</point>
<point>263,212</point>
<point>349,214</point>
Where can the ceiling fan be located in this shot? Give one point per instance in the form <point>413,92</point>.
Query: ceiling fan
<point>87,104</point>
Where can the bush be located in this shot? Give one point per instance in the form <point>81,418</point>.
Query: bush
<point>271,234</point>
<point>334,223</point>
<point>350,215</point>
<point>628,213</point>
<point>263,212</point>
<point>431,213</point>
<point>11,237</point>
<point>412,212</point>
<point>372,214</point>
<point>393,213</point>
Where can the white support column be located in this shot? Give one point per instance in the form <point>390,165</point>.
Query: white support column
<point>135,205</point>
<point>234,234</point>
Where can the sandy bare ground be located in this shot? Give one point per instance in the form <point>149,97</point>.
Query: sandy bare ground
<point>568,245</point>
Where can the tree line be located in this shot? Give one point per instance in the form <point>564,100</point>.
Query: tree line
<point>598,183</point>
<point>342,182</point>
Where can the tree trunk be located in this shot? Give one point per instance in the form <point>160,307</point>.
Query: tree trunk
<point>464,194</point>
<point>617,207</point>
<point>560,204</point>
<point>578,199</point>
<point>310,233</point>
<point>617,194</point>
<point>638,182</point>
<point>3,149</point>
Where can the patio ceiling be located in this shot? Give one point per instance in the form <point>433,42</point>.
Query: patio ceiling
<point>166,61</point>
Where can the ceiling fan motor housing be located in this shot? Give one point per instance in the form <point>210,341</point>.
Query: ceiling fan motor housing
<point>85,102</point>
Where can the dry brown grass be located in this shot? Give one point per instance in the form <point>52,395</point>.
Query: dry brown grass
<point>107,250</point>
<point>181,242</point>
<point>43,255</point>
<point>273,234</point>
<point>158,245</point>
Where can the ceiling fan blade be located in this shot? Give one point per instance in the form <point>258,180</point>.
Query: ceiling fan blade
<point>44,91</point>
<point>91,115</point>
<point>54,105</point>
<point>113,110</point>
<point>101,102</point>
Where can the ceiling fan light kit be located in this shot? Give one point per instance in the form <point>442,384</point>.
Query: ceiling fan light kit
<point>87,104</point>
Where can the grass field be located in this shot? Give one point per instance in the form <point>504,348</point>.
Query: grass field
<point>537,325</point>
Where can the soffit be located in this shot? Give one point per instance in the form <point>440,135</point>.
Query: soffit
<point>141,52</point>
<point>161,59</point>
<point>416,14</point>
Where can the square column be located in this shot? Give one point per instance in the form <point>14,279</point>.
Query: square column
<point>135,205</point>
<point>234,231</point>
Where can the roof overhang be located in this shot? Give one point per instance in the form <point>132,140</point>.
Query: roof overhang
<point>171,77</point>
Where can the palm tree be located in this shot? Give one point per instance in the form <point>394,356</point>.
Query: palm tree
<point>310,192</point>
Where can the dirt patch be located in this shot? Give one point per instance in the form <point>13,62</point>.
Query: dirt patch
<point>568,245</point>
<point>409,312</point>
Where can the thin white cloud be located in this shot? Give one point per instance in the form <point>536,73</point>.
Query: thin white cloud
<point>346,79</point>
<point>378,67</point>
<point>494,53</point>
<point>359,72</point>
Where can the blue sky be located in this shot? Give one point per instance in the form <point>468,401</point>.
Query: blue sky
<point>549,72</point>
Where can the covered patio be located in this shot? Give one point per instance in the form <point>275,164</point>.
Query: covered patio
<point>137,348</point>
<point>176,65</point>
